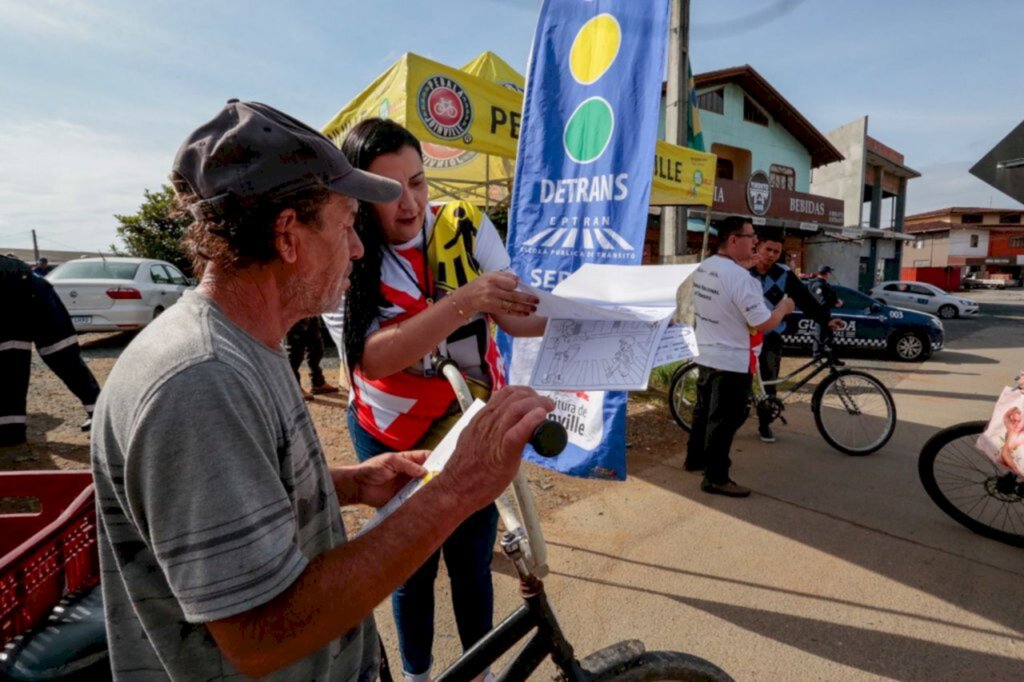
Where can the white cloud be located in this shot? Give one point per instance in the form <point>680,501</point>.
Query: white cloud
<point>67,181</point>
<point>50,18</point>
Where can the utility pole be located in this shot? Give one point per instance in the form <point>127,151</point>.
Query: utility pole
<point>676,116</point>
<point>35,246</point>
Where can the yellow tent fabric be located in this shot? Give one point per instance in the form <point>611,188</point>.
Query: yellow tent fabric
<point>491,67</point>
<point>453,111</point>
<point>438,104</point>
<point>459,174</point>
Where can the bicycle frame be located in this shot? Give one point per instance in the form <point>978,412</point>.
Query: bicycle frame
<point>820,365</point>
<point>523,543</point>
<point>535,613</point>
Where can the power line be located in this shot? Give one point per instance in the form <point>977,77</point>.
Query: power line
<point>748,22</point>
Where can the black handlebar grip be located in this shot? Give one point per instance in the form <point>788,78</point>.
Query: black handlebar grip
<point>549,438</point>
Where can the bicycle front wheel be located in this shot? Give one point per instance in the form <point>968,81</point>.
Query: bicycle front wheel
<point>854,412</point>
<point>663,665</point>
<point>970,487</point>
<point>682,394</point>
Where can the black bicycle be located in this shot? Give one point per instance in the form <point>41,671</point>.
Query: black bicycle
<point>854,411</point>
<point>523,544</point>
<point>970,487</point>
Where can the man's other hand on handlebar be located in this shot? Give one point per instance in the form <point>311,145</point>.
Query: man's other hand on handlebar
<point>488,452</point>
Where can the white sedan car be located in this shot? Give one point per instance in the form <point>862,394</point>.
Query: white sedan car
<point>923,296</point>
<point>115,294</point>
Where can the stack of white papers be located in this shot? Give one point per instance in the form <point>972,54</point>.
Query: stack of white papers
<point>608,326</point>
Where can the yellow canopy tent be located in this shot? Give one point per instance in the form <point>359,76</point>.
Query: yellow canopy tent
<point>462,117</point>
<point>459,174</point>
<point>468,124</point>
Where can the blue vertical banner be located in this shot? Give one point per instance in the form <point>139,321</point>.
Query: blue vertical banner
<point>583,181</point>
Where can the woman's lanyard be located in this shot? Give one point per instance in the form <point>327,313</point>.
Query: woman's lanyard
<point>407,271</point>
<point>428,369</point>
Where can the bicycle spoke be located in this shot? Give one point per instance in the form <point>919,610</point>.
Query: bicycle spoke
<point>970,482</point>
<point>854,413</point>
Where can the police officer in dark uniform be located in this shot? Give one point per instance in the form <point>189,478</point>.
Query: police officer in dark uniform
<point>31,313</point>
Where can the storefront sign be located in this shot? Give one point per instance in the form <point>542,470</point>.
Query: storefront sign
<point>759,193</point>
<point>800,207</point>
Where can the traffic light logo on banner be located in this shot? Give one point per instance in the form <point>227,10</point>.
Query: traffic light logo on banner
<point>594,50</point>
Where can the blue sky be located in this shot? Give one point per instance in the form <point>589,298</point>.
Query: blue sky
<point>96,95</point>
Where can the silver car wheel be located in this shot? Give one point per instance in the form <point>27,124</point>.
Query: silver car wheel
<point>909,347</point>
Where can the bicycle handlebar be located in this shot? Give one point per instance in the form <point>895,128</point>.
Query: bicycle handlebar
<point>548,439</point>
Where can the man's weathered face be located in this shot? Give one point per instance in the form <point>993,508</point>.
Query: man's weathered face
<point>326,256</point>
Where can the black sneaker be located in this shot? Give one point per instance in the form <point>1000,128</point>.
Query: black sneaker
<point>729,488</point>
<point>766,433</point>
<point>87,425</point>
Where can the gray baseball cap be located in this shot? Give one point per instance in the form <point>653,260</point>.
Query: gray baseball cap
<point>252,150</point>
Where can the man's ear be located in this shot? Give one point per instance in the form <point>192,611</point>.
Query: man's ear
<point>286,235</point>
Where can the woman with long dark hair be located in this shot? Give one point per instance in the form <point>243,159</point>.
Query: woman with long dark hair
<point>432,281</point>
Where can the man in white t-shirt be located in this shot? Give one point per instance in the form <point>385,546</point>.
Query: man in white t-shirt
<point>729,308</point>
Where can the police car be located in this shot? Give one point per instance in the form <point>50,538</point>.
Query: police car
<point>871,326</point>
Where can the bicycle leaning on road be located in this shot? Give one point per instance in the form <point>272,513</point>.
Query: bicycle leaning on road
<point>854,411</point>
<point>970,487</point>
<point>523,544</point>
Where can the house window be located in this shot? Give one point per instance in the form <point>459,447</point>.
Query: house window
<point>1013,219</point>
<point>753,113</point>
<point>782,177</point>
<point>724,169</point>
<point>712,100</point>
<point>1017,242</point>
<point>918,243</point>
<point>971,219</point>
<point>974,241</point>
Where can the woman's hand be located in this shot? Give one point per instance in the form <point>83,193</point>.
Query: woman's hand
<point>495,293</point>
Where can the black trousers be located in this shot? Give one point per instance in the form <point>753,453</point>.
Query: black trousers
<point>304,341</point>
<point>720,411</point>
<point>37,317</point>
<point>769,362</point>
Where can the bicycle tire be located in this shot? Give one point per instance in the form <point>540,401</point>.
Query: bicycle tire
<point>682,394</point>
<point>970,488</point>
<point>664,665</point>
<point>854,412</point>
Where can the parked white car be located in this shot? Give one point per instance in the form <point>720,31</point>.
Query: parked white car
<point>114,294</point>
<point>923,296</point>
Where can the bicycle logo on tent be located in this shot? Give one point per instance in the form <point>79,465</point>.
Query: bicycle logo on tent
<point>445,108</point>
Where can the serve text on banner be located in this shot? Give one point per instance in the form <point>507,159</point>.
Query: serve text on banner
<point>583,181</point>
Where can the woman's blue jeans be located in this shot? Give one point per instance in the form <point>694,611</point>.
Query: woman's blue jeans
<point>467,556</point>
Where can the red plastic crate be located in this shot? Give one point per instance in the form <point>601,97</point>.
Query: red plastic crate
<point>45,555</point>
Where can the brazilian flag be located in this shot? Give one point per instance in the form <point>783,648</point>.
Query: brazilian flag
<point>694,136</point>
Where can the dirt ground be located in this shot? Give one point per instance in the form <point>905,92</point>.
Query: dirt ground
<point>55,441</point>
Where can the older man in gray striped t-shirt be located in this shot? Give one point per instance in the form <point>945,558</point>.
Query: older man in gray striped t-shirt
<point>221,541</point>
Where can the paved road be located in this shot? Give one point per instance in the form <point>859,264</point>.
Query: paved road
<point>838,568</point>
